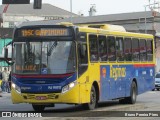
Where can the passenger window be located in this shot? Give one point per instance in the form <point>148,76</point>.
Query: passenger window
<point>83,57</point>
<point>111,48</point>
<point>120,49</point>
<point>93,47</point>
<point>142,46</point>
<point>102,48</point>
<point>135,49</point>
<point>149,50</point>
<point>128,49</point>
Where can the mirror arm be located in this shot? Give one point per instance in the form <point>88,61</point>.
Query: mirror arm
<point>9,63</point>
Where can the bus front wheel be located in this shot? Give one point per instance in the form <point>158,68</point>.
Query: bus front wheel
<point>133,93</point>
<point>38,107</point>
<point>93,100</point>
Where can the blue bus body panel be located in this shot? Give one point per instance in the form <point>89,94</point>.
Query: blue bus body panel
<point>116,80</point>
<point>43,85</point>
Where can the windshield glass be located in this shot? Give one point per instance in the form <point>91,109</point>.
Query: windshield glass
<point>157,75</point>
<point>54,57</point>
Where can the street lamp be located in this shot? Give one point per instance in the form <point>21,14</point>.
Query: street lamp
<point>71,9</point>
<point>145,19</point>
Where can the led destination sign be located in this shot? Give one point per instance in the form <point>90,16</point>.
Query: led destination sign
<point>43,32</point>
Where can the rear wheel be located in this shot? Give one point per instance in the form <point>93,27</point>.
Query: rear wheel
<point>93,100</point>
<point>38,107</point>
<point>133,94</point>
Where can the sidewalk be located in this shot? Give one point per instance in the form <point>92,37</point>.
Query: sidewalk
<point>4,94</point>
<point>0,92</point>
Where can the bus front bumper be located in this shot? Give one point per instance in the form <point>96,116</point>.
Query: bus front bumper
<point>71,97</point>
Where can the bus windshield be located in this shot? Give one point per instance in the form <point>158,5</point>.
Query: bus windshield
<point>51,57</point>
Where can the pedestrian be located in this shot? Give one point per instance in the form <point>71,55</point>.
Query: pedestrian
<point>0,84</point>
<point>5,83</point>
<point>0,92</point>
<point>9,80</point>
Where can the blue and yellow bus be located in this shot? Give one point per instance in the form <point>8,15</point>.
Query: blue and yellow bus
<point>80,64</point>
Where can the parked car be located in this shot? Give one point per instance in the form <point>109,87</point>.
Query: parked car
<point>157,81</point>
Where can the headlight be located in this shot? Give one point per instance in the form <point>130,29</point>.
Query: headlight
<point>68,87</point>
<point>13,85</point>
<point>17,88</point>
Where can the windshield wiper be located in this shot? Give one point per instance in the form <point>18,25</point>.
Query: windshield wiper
<point>51,48</point>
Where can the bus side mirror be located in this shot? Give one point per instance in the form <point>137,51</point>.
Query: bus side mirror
<point>6,53</point>
<point>6,57</point>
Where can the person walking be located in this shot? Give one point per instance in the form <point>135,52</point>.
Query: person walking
<point>0,92</point>
<point>9,81</point>
<point>0,84</point>
<point>5,83</point>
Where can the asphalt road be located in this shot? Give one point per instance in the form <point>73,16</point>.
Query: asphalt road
<point>147,103</point>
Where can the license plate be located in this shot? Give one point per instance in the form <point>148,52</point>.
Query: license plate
<point>41,97</point>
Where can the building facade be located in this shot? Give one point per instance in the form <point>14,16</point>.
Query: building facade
<point>139,22</point>
<point>14,14</point>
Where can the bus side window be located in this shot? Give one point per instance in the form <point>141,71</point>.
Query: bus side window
<point>83,56</point>
<point>142,47</point>
<point>93,47</point>
<point>135,49</point>
<point>128,49</point>
<point>149,50</point>
<point>120,49</point>
<point>111,48</point>
<point>102,46</point>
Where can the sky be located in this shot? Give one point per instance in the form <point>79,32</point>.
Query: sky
<point>103,7</point>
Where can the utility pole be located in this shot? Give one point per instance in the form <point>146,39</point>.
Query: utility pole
<point>71,10</point>
<point>153,8</point>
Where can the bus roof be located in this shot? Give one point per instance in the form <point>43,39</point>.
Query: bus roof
<point>115,32</point>
<point>107,29</point>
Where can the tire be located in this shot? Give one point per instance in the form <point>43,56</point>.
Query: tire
<point>158,89</point>
<point>93,100</point>
<point>133,94</point>
<point>38,107</point>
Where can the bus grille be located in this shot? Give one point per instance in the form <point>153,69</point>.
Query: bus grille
<point>40,81</point>
<point>33,96</point>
